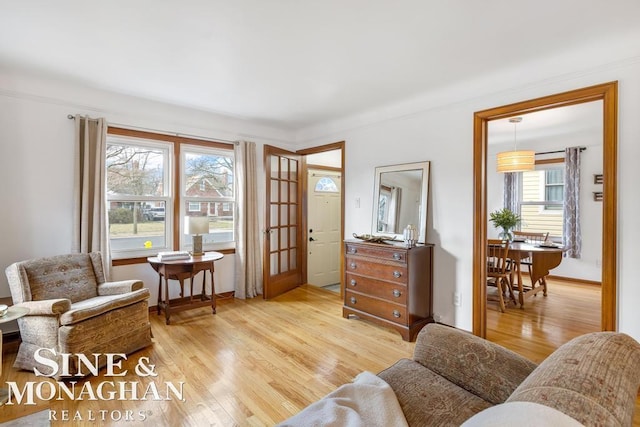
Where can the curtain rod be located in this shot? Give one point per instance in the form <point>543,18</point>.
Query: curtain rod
<point>72,117</point>
<point>558,151</point>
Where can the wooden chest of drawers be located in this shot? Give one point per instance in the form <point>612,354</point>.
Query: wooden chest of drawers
<point>389,284</point>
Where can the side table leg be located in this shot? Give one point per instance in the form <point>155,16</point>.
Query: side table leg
<point>159,292</point>
<point>213,292</point>
<point>167,304</point>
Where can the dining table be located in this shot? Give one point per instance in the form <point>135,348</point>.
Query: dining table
<point>543,259</point>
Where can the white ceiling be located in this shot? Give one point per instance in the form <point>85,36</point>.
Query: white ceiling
<point>295,63</point>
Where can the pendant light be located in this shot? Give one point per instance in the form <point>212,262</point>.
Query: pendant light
<point>516,161</point>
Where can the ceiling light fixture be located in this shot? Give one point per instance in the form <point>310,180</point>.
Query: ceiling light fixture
<point>516,161</point>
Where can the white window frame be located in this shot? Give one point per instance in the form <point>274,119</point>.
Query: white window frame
<point>542,204</point>
<point>166,197</point>
<point>186,240</point>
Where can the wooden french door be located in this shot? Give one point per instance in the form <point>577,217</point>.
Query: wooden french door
<point>282,243</point>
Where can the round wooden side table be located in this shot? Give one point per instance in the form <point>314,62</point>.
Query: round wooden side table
<point>13,313</point>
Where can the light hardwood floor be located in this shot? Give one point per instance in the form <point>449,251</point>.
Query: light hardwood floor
<point>254,363</point>
<point>257,362</point>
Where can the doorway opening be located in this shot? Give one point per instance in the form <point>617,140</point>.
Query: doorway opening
<point>287,233</point>
<point>607,93</point>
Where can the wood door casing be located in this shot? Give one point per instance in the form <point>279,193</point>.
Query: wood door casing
<point>608,94</point>
<point>282,248</point>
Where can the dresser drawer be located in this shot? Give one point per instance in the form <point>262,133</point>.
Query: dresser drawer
<point>384,271</point>
<point>396,293</point>
<point>377,307</point>
<point>377,251</point>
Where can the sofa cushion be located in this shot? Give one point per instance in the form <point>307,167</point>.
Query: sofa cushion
<point>96,306</point>
<point>593,378</point>
<point>481,367</point>
<point>520,414</point>
<point>427,399</point>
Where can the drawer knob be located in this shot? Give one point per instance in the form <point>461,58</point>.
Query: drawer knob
<point>397,274</point>
<point>353,300</point>
<point>396,293</point>
<point>352,250</point>
<point>352,265</point>
<point>396,314</point>
<point>397,256</point>
<point>353,282</point>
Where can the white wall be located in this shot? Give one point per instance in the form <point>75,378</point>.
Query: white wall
<point>36,162</point>
<point>36,167</point>
<point>439,128</point>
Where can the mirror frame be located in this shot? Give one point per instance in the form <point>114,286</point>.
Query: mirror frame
<point>424,192</point>
<point>608,94</point>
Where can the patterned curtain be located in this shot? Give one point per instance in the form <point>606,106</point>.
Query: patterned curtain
<point>512,190</point>
<point>247,230</point>
<point>572,236</point>
<point>90,222</point>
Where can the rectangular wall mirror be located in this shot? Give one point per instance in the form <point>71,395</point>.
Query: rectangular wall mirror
<point>400,198</point>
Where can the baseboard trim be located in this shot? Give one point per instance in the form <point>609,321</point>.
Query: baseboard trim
<point>574,280</point>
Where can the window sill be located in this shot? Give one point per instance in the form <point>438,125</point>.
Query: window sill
<point>143,260</point>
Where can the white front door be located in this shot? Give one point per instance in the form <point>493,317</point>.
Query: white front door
<point>323,219</point>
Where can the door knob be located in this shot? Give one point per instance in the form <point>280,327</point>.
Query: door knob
<point>311,239</point>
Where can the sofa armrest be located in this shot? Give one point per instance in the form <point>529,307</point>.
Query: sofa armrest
<point>47,307</point>
<point>119,287</point>
<point>593,378</point>
<point>479,366</point>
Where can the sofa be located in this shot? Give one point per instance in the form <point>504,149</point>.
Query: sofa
<point>74,310</point>
<point>456,378</point>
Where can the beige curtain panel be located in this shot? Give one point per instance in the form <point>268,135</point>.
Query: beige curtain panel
<point>90,222</point>
<point>247,230</point>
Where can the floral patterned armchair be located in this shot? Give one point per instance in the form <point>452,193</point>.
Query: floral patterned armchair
<point>72,309</point>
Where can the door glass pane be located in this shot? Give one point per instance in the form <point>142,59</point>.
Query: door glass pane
<point>294,170</point>
<point>284,217</point>
<point>284,168</point>
<point>284,233</point>
<point>274,264</point>
<point>284,191</point>
<point>294,261</point>
<point>293,192</point>
<point>292,237</point>
<point>274,166</point>
<point>293,210</point>
<point>274,190</point>
<point>274,216</point>
<point>284,262</point>
<point>273,241</point>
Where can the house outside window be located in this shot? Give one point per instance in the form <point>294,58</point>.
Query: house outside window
<point>142,169</point>
<point>138,176</point>
<point>541,207</point>
<point>215,168</point>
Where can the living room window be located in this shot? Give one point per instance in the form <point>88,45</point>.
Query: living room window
<point>154,181</point>
<point>541,206</point>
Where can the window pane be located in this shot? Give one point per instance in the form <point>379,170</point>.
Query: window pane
<point>220,217</point>
<point>555,176</point>
<point>135,170</point>
<point>208,175</point>
<point>137,225</point>
<point>554,193</point>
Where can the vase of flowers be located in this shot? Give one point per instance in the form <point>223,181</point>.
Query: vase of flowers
<point>505,219</point>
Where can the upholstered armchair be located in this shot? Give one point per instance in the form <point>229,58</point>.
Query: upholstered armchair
<point>72,309</point>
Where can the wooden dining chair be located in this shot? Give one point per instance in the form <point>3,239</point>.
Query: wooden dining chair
<point>534,239</point>
<point>498,273</point>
